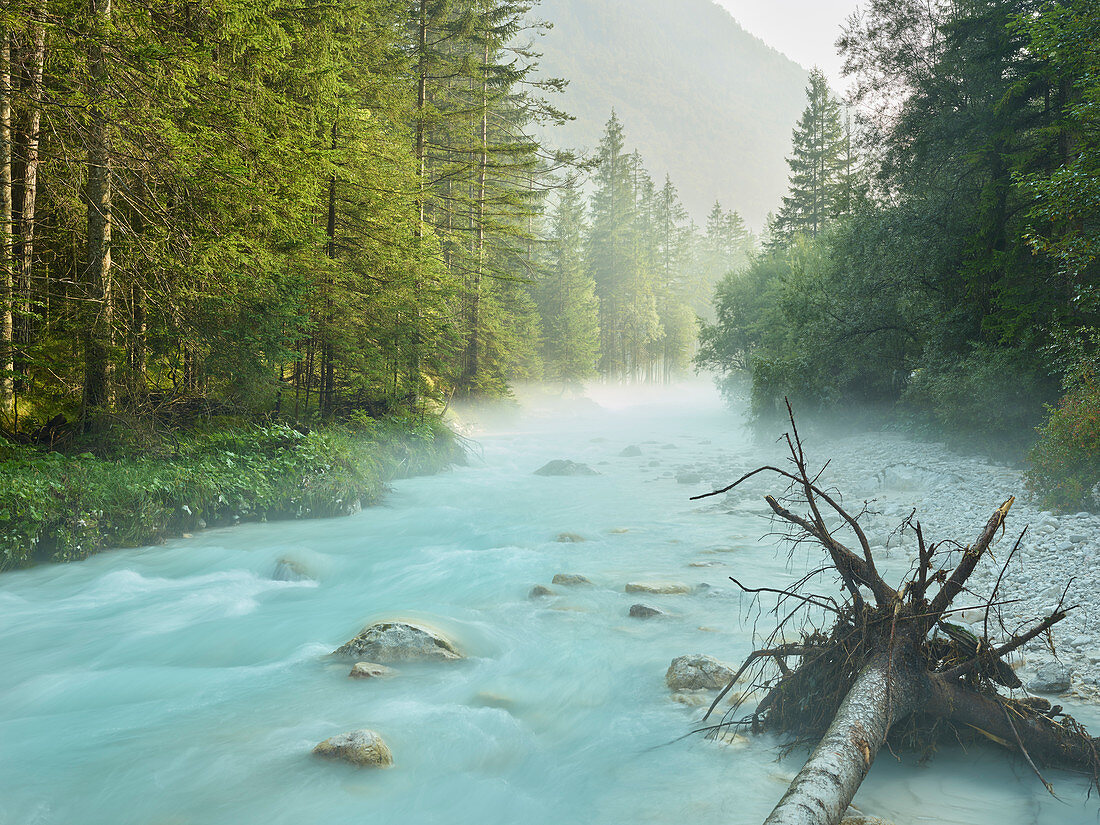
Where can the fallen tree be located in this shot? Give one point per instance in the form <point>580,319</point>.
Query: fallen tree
<point>892,668</point>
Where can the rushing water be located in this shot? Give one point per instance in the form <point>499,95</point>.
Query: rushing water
<point>182,684</point>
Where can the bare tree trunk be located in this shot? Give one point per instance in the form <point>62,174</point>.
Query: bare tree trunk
<point>98,332</point>
<point>473,344</point>
<point>7,292</point>
<point>327,391</point>
<point>24,259</point>
<point>888,688</point>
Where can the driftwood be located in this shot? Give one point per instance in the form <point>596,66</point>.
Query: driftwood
<point>892,668</point>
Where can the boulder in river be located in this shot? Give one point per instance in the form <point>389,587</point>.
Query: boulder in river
<point>370,670</point>
<point>698,672</point>
<point>688,478</point>
<point>570,580</point>
<point>364,748</point>
<point>644,611</point>
<point>1052,677</point>
<point>563,467</point>
<point>540,591</point>
<point>633,451</point>
<point>398,642</point>
<point>570,538</point>
<point>658,588</point>
<point>289,570</point>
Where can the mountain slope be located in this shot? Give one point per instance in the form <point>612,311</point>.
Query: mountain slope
<point>701,98</point>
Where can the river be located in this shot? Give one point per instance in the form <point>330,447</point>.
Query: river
<point>182,684</point>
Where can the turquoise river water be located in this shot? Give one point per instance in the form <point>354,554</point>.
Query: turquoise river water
<point>182,685</point>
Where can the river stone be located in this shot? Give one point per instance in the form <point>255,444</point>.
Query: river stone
<point>540,591</point>
<point>570,580</point>
<point>644,611</point>
<point>633,451</point>
<point>860,819</point>
<point>688,478</point>
<point>289,570</point>
<point>562,467</point>
<point>697,672</point>
<point>370,670</point>
<point>1052,677</point>
<point>398,642</point>
<point>658,588</point>
<point>570,538</point>
<point>364,748</point>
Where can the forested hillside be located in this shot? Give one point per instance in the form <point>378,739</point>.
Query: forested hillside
<point>705,101</point>
<point>950,274</point>
<point>317,210</point>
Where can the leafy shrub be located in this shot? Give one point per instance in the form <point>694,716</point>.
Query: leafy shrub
<point>1064,464</point>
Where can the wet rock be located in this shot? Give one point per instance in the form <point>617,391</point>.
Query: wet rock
<point>633,451</point>
<point>570,538</point>
<point>487,699</point>
<point>658,588</point>
<point>364,748</point>
<point>289,570</point>
<point>644,611</point>
<point>570,580</point>
<point>399,642</point>
<point>688,478</point>
<point>697,672</point>
<point>540,592</point>
<point>562,467</point>
<point>860,819</point>
<point>370,670</point>
<point>1052,677</point>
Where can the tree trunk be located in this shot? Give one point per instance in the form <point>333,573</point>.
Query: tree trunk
<point>24,259</point>
<point>328,390</point>
<point>888,688</point>
<point>7,292</point>
<point>473,344</point>
<point>98,332</point>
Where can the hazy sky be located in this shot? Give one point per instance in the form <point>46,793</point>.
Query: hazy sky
<point>804,30</point>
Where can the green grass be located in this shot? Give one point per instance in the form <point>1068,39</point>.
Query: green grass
<point>56,507</point>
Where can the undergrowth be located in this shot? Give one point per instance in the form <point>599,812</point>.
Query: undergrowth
<point>56,507</point>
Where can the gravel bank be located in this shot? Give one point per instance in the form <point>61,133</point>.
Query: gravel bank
<point>954,495</point>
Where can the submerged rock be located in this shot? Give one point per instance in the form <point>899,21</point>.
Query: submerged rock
<point>633,451</point>
<point>370,670</point>
<point>289,570</point>
<point>570,538</point>
<point>364,748</point>
<point>697,672</point>
<point>562,467</point>
<point>644,611</point>
<point>399,642</point>
<point>540,591</point>
<point>688,478</point>
<point>658,588</point>
<point>570,580</point>
<point>1051,678</point>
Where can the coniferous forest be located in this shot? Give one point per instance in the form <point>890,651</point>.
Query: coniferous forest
<point>935,259</point>
<point>311,210</point>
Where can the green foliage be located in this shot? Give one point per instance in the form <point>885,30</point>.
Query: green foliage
<point>1064,464</point>
<point>63,508</point>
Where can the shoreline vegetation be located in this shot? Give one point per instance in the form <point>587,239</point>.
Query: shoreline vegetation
<point>58,507</point>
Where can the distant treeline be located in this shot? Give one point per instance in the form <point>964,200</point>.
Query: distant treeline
<point>955,275</point>
<point>310,209</point>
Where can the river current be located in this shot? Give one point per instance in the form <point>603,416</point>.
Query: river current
<point>184,685</point>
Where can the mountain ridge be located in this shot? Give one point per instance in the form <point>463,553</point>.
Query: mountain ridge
<point>689,83</point>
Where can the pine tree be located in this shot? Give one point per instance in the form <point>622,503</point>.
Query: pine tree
<point>817,192</point>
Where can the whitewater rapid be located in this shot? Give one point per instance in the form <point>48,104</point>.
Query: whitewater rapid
<point>183,684</point>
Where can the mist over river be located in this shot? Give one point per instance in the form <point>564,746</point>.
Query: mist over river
<point>182,684</point>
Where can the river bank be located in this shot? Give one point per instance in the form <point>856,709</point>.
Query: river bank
<point>953,495</point>
<point>56,507</point>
